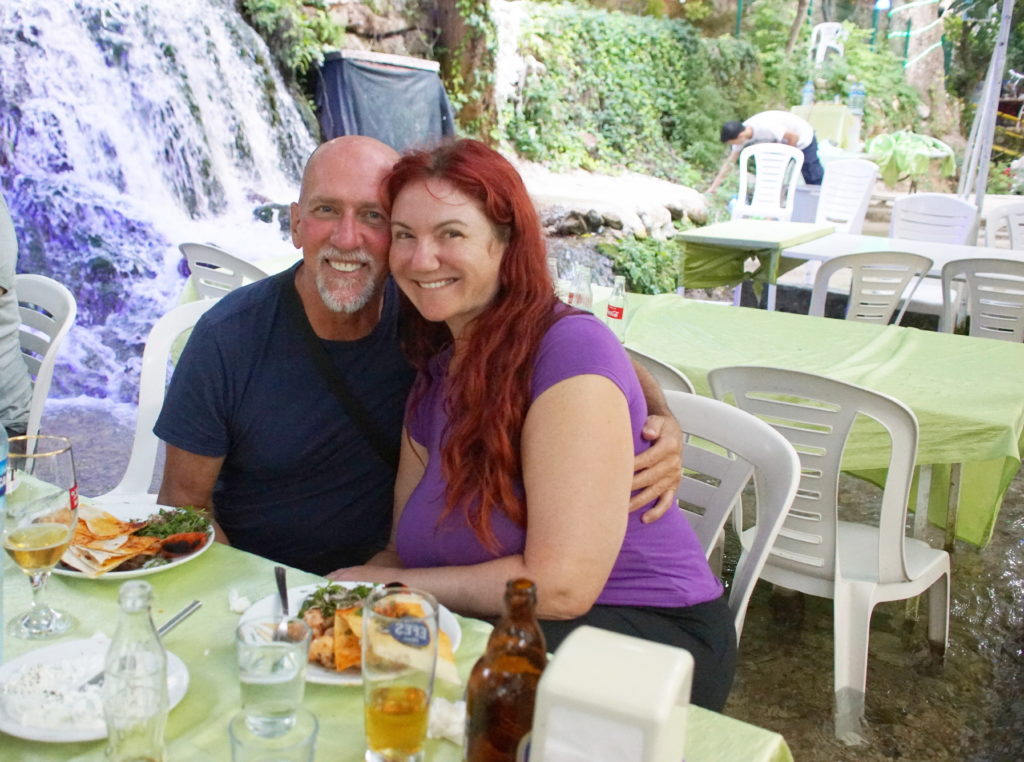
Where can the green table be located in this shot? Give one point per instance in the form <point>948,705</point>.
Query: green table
<point>715,255</point>
<point>197,727</point>
<point>967,393</point>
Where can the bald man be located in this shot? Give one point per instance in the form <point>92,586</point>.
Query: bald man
<point>253,430</point>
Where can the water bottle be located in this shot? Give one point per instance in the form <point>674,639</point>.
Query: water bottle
<point>135,682</point>
<point>856,100</point>
<point>582,294</point>
<point>617,309</point>
<point>807,94</point>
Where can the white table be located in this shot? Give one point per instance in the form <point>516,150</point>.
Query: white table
<point>837,244</point>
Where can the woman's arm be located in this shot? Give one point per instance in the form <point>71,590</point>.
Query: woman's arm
<point>577,457</point>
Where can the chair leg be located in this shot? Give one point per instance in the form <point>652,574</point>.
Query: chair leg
<point>851,626</point>
<point>938,615</point>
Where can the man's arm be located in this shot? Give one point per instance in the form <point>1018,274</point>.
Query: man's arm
<point>189,480</point>
<point>789,138</point>
<point>658,470</point>
<point>726,166</point>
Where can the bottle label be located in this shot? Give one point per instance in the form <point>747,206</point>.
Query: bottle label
<point>411,633</point>
<point>615,313</point>
<point>74,497</point>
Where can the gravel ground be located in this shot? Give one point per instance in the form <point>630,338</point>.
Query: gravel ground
<point>968,708</point>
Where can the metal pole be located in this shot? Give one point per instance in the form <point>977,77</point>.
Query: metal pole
<point>739,16</point>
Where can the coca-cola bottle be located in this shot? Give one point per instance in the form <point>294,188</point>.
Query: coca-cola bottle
<point>616,314</point>
<point>502,687</point>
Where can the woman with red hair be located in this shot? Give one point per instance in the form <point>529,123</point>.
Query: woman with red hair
<point>521,431</point>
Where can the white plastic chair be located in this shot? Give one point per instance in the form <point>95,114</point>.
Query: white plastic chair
<point>776,172</point>
<point>215,272</point>
<point>877,283</point>
<point>1010,216</point>
<point>845,194</point>
<point>995,297</point>
<point>825,37</point>
<point>134,485</point>
<point>48,311</point>
<point>668,378</point>
<point>934,217</point>
<point>857,565</point>
<point>724,447</point>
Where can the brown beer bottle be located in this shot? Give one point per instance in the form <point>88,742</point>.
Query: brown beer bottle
<point>502,687</point>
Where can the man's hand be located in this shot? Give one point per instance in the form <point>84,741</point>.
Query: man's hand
<point>658,471</point>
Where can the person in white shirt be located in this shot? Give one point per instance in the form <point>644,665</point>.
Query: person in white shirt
<point>772,127</point>
<point>15,383</point>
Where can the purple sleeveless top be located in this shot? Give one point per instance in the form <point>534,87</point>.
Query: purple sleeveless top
<point>659,564</point>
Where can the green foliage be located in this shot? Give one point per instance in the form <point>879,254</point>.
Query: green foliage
<point>295,37</point>
<point>891,103</point>
<point>616,91</point>
<point>649,266</point>
<point>469,81</point>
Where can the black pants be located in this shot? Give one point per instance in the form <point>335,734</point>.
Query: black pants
<point>705,630</point>
<point>812,170</point>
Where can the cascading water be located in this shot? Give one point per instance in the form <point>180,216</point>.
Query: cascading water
<point>126,128</point>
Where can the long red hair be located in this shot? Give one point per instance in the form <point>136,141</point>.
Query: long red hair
<point>490,393</point>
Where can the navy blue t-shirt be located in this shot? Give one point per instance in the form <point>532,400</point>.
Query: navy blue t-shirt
<point>300,483</point>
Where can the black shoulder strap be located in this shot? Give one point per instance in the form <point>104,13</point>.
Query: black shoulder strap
<point>331,373</point>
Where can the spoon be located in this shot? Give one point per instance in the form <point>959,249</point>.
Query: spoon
<point>165,628</point>
<point>281,632</point>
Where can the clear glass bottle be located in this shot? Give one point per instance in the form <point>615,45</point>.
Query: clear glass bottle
<point>135,682</point>
<point>616,315</point>
<point>502,687</point>
<point>582,294</point>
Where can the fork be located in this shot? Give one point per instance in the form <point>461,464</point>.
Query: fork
<point>281,631</point>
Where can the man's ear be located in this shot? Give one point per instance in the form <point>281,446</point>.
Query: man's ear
<point>293,225</point>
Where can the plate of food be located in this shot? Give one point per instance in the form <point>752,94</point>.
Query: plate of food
<point>336,607</point>
<point>121,541</point>
<point>40,698</point>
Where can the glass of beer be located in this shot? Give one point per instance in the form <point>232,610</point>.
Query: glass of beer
<point>399,657</point>
<point>39,523</point>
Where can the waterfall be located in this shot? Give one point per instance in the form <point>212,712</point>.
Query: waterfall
<point>126,128</point>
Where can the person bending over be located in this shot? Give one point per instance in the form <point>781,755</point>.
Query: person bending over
<point>772,127</point>
<point>521,429</point>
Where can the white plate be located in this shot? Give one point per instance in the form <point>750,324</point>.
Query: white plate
<point>314,673</point>
<point>129,512</point>
<point>177,686</point>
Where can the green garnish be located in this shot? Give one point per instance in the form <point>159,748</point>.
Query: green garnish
<point>333,596</point>
<point>170,521</point>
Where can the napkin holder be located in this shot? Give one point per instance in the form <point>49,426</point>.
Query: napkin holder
<point>608,697</point>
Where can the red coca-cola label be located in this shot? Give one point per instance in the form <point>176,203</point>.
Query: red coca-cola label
<point>615,313</point>
<point>74,497</point>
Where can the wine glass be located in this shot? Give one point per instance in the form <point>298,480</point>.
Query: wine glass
<point>42,508</point>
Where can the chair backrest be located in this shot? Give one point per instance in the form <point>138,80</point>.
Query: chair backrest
<point>825,36</point>
<point>934,217</point>
<point>215,272</point>
<point>776,171</point>
<point>877,283</point>
<point>846,193</point>
<point>815,414</point>
<point>48,311</point>
<point>995,297</point>
<point>152,385</point>
<point>667,377</point>
<point>724,447</point>
<point>1010,216</point>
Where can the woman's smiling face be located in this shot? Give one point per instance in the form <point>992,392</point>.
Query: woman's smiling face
<point>445,253</point>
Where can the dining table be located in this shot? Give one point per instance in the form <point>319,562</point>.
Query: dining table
<point>716,255</point>
<point>197,728</point>
<point>966,392</point>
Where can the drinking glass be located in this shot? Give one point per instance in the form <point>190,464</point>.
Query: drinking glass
<point>272,671</point>
<point>39,522</point>
<point>399,657</point>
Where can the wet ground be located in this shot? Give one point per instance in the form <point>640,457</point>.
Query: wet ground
<point>969,708</point>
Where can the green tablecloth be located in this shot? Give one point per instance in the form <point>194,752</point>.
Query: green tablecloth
<point>197,727</point>
<point>714,255</point>
<point>967,393</point>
